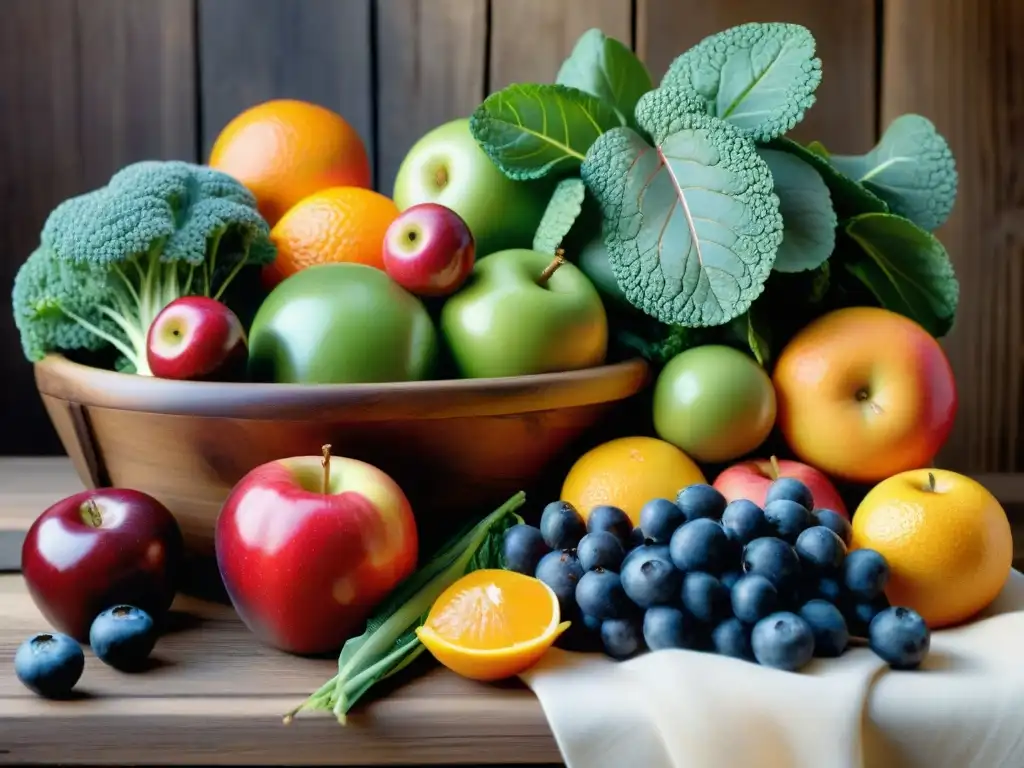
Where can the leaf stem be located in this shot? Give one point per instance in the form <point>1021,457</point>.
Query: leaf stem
<point>326,463</point>
<point>931,482</point>
<point>776,472</point>
<point>551,268</point>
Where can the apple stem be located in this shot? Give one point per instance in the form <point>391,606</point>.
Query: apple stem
<point>551,268</point>
<point>327,468</point>
<point>774,461</point>
<point>931,482</point>
<point>91,513</point>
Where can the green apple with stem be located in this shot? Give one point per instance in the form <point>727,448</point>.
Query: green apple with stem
<point>447,166</point>
<point>523,312</point>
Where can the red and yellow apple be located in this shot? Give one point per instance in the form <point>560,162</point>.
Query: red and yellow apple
<point>307,546</point>
<point>752,479</point>
<point>864,393</point>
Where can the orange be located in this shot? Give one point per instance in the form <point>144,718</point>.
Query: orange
<point>341,224</point>
<point>946,538</point>
<point>285,149</point>
<point>627,473</point>
<point>492,624</point>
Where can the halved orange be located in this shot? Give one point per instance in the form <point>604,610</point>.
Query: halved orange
<point>492,624</point>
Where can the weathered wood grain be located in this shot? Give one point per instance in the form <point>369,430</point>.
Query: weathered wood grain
<point>962,66</point>
<point>531,38</point>
<point>844,115</point>
<point>430,69</point>
<point>254,50</point>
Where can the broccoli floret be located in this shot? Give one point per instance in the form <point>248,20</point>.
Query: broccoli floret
<point>109,260</point>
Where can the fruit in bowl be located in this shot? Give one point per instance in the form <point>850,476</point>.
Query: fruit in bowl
<point>429,250</point>
<point>307,546</point>
<point>196,338</point>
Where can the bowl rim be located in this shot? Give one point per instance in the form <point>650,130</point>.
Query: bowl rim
<point>63,379</point>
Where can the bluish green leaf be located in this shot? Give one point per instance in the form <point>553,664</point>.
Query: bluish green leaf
<point>808,219</point>
<point>563,209</point>
<point>530,131</point>
<point>911,168</point>
<point>759,77</point>
<point>604,67</point>
<point>691,224</point>
<point>759,335</point>
<point>906,268</point>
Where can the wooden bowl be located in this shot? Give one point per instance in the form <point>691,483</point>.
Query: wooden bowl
<point>456,447</point>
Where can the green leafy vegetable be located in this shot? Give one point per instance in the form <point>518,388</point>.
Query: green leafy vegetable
<point>808,219</point>
<point>530,131</point>
<point>911,168</point>
<point>759,336</point>
<point>849,197</point>
<point>389,643</point>
<point>759,77</point>
<point>563,209</point>
<point>818,148</point>
<point>604,67</point>
<point>691,223</point>
<point>906,268</point>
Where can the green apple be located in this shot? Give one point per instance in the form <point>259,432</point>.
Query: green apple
<point>341,323</point>
<point>447,166</point>
<point>714,402</point>
<point>521,312</point>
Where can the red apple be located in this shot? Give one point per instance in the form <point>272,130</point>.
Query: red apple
<point>429,250</point>
<point>308,546</point>
<point>196,338</point>
<point>99,548</point>
<point>751,480</point>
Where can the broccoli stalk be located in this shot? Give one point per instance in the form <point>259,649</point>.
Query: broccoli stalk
<point>110,260</point>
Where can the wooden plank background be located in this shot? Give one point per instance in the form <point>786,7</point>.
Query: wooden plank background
<point>89,85</point>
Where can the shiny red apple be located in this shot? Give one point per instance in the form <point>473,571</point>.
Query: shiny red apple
<point>96,549</point>
<point>751,480</point>
<point>429,250</point>
<point>307,547</point>
<point>196,338</point>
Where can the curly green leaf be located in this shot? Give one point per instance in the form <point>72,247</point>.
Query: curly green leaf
<point>563,209</point>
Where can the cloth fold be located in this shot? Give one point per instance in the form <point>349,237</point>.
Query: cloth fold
<point>964,708</point>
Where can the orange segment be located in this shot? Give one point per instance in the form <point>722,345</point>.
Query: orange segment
<point>492,624</point>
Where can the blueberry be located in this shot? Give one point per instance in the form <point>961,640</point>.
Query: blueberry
<point>611,519</point>
<point>523,548</point>
<point>754,597</point>
<point>732,638</point>
<point>49,664</point>
<point>829,627</point>
<point>700,501</point>
<point>659,519</point>
<point>123,637</point>
<point>622,638</point>
<point>729,578</point>
<point>774,559</point>
<point>600,594</point>
<point>790,489</point>
<point>650,580</point>
<point>744,521</point>
<point>835,523</point>
<point>561,571</point>
<point>787,519</point>
<point>600,549</point>
<point>865,573</point>
<point>820,550</point>
<point>900,637</point>
<point>705,597</point>
<point>668,627</point>
<point>701,545</point>
<point>827,589</point>
<point>860,613</point>
<point>561,525</point>
<point>636,539</point>
<point>782,640</point>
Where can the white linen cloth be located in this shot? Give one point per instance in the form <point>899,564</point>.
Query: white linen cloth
<point>964,708</point>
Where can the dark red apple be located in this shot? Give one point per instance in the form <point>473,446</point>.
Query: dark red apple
<point>429,250</point>
<point>99,548</point>
<point>751,480</point>
<point>196,338</point>
<point>308,546</point>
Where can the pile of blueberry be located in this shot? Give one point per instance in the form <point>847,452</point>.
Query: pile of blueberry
<point>51,663</point>
<point>775,586</point>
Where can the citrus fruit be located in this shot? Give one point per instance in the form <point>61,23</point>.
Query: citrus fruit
<point>337,225</point>
<point>286,149</point>
<point>492,624</point>
<point>946,539</point>
<point>627,473</point>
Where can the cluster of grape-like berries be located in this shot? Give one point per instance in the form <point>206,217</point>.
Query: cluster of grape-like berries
<point>776,586</point>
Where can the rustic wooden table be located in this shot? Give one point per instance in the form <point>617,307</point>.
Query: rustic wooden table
<point>215,696</point>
